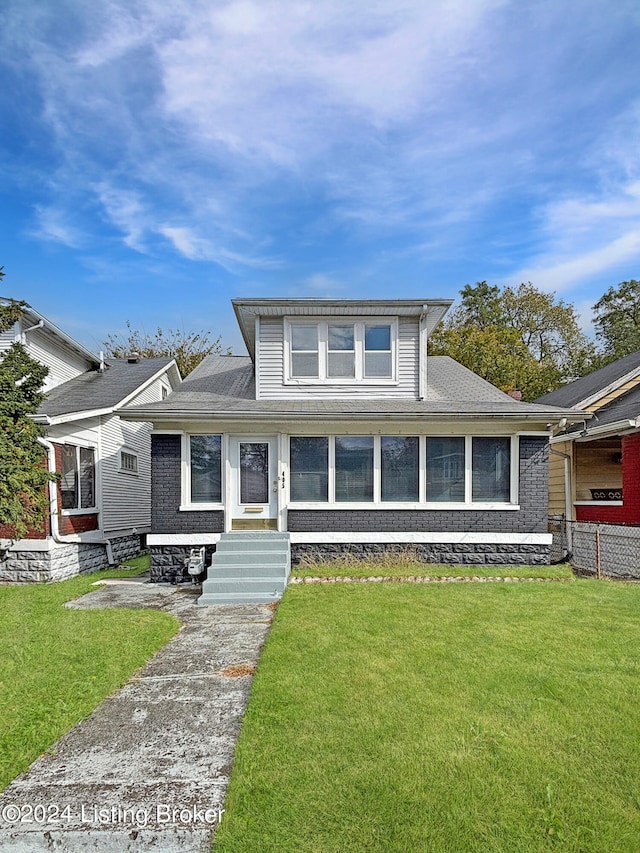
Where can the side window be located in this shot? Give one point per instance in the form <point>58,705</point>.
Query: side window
<point>77,477</point>
<point>128,462</point>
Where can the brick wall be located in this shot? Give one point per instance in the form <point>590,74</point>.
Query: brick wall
<point>530,518</point>
<point>165,493</point>
<point>629,512</point>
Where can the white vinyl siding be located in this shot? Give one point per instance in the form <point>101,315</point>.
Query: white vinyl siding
<point>126,499</point>
<point>8,337</point>
<point>63,362</point>
<point>271,359</point>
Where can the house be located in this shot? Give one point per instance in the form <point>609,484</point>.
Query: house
<point>337,432</point>
<point>595,465</point>
<point>100,506</point>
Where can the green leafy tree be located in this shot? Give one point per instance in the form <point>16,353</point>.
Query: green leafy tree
<point>617,320</point>
<point>516,338</point>
<point>23,471</point>
<point>188,348</point>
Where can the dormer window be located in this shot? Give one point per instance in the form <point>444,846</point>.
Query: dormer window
<point>377,351</point>
<point>304,350</point>
<point>340,352</point>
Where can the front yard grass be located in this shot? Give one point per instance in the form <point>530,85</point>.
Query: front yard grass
<point>445,717</point>
<point>57,664</point>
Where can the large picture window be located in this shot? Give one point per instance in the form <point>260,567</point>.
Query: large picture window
<point>77,477</point>
<point>446,471</point>
<point>399,468</point>
<point>205,464</point>
<point>309,470</point>
<point>491,471</point>
<point>354,468</point>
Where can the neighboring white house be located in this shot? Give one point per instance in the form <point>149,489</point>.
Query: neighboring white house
<point>100,508</point>
<point>340,432</point>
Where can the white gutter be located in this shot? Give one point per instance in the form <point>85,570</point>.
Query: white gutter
<point>627,425</point>
<point>54,508</point>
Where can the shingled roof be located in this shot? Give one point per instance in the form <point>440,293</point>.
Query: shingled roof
<point>224,386</point>
<point>576,392</point>
<point>97,391</point>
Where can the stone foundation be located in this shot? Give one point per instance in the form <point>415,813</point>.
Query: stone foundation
<point>54,561</point>
<point>169,563</point>
<point>449,554</point>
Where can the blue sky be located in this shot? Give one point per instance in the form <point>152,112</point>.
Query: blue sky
<point>159,157</point>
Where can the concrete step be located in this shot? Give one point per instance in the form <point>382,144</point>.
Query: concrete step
<point>227,546</point>
<point>224,568</point>
<point>273,586</point>
<point>248,567</point>
<point>237,598</point>
<point>238,555</point>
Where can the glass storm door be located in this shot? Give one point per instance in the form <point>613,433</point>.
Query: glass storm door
<point>255,483</point>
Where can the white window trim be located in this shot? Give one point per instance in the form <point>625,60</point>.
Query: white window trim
<point>85,510</point>
<point>186,504</point>
<point>421,503</point>
<point>359,324</point>
<point>129,452</point>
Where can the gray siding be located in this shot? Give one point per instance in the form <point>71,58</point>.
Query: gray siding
<point>165,493</point>
<point>271,361</point>
<point>530,518</point>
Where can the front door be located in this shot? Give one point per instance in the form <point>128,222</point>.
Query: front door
<point>254,483</point>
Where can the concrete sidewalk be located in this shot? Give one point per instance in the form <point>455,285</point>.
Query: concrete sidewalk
<point>148,770</point>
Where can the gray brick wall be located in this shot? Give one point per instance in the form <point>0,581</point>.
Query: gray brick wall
<point>449,554</point>
<point>165,493</point>
<point>530,518</point>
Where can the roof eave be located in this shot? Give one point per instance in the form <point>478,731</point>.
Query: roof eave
<point>141,414</point>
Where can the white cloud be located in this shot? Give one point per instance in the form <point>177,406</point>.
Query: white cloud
<point>53,225</point>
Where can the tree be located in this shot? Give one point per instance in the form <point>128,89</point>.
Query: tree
<point>188,348</point>
<point>23,472</point>
<point>617,320</point>
<point>518,338</point>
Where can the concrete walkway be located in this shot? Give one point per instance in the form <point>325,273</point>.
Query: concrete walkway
<point>148,770</point>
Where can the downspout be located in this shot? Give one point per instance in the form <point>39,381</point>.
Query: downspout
<point>568,505</point>
<point>54,509</point>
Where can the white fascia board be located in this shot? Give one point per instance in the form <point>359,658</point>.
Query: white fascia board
<point>142,414</point>
<point>77,416</point>
<point>608,389</point>
<point>78,347</point>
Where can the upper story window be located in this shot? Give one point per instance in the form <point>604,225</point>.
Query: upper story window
<point>304,350</point>
<point>77,477</point>
<point>340,352</point>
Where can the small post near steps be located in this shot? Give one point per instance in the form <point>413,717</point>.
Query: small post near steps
<point>248,567</point>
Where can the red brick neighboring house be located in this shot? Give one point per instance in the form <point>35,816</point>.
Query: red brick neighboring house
<point>595,466</point>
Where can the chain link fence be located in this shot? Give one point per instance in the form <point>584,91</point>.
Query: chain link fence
<point>602,550</point>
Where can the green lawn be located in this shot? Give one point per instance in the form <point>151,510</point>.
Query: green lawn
<point>449,717</point>
<point>57,664</point>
